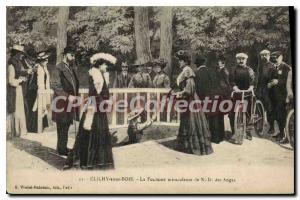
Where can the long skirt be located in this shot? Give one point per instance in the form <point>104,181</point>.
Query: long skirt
<point>194,135</point>
<point>18,119</point>
<point>93,148</point>
<point>33,125</point>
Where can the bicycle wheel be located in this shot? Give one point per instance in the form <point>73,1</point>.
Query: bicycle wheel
<point>259,118</point>
<point>239,126</point>
<point>290,127</point>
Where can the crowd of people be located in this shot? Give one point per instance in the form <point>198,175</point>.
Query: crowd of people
<point>272,83</point>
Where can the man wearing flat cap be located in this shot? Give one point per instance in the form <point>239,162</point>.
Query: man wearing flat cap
<point>266,94</point>
<point>278,83</point>
<point>161,79</point>
<point>65,85</point>
<point>241,78</point>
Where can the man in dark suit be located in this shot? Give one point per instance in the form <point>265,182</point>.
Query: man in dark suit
<point>266,73</point>
<point>65,85</point>
<point>123,78</point>
<point>278,83</point>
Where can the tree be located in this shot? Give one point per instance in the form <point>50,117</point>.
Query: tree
<point>32,26</point>
<point>166,36</point>
<point>141,30</point>
<point>62,20</point>
<point>212,30</point>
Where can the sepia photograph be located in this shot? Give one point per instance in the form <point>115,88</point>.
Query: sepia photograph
<point>150,100</point>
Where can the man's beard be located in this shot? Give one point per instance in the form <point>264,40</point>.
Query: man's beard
<point>71,62</point>
<point>264,60</point>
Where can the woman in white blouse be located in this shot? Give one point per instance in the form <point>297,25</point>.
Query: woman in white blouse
<point>43,83</point>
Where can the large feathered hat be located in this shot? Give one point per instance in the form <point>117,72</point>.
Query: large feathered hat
<point>106,57</point>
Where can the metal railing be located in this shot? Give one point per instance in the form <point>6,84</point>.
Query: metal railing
<point>167,117</point>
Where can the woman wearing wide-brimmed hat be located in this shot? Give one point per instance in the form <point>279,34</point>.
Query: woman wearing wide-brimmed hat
<point>193,134</point>
<point>93,148</point>
<point>42,83</point>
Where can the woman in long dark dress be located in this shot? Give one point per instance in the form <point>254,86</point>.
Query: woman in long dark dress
<point>93,148</point>
<point>193,135</point>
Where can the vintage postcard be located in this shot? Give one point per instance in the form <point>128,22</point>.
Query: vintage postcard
<point>150,100</point>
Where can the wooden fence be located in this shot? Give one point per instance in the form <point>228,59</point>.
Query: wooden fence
<point>167,117</point>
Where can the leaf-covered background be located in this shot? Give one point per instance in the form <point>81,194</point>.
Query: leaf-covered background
<point>207,31</point>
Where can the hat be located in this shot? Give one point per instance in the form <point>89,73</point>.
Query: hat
<point>200,60</point>
<point>160,62</point>
<point>18,47</point>
<point>265,51</point>
<point>182,55</point>
<point>221,58</point>
<point>68,49</point>
<point>103,56</point>
<point>241,55</point>
<point>43,55</point>
<point>276,54</point>
<point>135,113</point>
<point>138,63</point>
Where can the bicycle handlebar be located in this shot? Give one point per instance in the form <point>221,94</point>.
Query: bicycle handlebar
<point>243,91</point>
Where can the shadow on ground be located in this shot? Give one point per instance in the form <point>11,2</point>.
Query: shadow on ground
<point>36,149</point>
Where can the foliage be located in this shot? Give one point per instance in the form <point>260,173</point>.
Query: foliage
<point>208,29</point>
<point>103,27</point>
<point>32,26</point>
<point>110,29</point>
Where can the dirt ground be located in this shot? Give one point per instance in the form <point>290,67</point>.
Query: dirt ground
<point>257,160</point>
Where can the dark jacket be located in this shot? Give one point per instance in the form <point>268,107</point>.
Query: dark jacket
<point>223,82</point>
<point>242,77</point>
<point>281,74</point>
<point>267,73</point>
<point>64,83</point>
<point>122,81</point>
<point>203,82</point>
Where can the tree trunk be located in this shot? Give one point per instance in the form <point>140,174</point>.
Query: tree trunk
<point>166,37</point>
<point>142,38</point>
<point>62,18</point>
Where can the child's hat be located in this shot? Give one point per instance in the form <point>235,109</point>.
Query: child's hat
<point>135,113</point>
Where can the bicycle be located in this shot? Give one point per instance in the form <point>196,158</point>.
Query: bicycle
<point>290,124</point>
<point>244,121</point>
